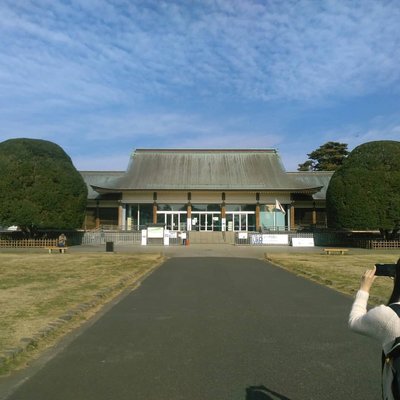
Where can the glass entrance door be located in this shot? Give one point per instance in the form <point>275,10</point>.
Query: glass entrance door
<point>173,221</point>
<point>239,221</point>
<point>203,222</point>
<point>206,221</point>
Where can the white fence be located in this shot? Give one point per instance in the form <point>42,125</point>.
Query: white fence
<point>98,238</point>
<point>121,238</point>
<point>238,238</point>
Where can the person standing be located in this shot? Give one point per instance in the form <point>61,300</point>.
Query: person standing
<point>380,323</point>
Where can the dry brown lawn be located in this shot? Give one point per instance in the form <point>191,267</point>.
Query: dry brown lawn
<point>340,272</point>
<point>36,289</point>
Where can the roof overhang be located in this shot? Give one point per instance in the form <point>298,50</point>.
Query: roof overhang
<point>207,189</point>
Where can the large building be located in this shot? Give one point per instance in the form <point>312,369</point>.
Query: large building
<point>206,190</point>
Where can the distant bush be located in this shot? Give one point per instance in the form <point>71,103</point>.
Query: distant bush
<point>39,186</point>
<point>364,193</point>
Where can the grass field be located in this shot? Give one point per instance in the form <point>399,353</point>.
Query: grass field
<point>340,272</point>
<point>38,289</point>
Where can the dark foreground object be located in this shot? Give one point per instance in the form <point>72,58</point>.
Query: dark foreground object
<point>216,329</point>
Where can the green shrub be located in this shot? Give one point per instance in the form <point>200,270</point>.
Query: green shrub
<point>364,193</point>
<point>39,186</point>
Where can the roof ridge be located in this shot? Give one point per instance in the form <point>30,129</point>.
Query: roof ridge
<point>270,150</point>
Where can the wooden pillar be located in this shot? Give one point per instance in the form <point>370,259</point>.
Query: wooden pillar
<point>223,217</point>
<point>128,217</point>
<point>258,222</point>
<point>97,215</point>
<point>258,225</point>
<point>154,212</point>
<point>154,207</point>
<point>120,216</point>
<point>189,217</point>
<point>189,212</point>
<point>292,224</point>
<point>223,212</point>
<point>314,215</point>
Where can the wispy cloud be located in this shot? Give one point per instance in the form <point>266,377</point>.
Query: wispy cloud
<point>109,73</point>
<point>104,134</point>
<point>176,128</point>
<point>274,50</point>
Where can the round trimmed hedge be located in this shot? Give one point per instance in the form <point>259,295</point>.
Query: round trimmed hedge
<point>39,186</point>
<point>364,193</point>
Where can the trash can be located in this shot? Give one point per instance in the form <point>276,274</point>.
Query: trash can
<point>110,246</point>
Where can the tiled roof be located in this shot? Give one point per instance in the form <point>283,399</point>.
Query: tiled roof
<point>314,178</point>
<point>99,178</point>
<point>160,169</point>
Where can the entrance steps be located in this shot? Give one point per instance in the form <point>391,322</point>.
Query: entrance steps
<point>197,237</point>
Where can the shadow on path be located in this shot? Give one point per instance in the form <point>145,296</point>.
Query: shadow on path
<point>262,393</point>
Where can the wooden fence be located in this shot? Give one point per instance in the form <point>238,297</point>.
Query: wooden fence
<point>29,243</point>
<point>383,244</point>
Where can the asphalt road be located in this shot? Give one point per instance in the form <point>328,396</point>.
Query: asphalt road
<point>215,329</point>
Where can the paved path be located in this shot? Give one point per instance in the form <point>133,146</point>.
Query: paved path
<point>210,329</point>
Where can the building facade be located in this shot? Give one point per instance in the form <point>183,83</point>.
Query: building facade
<point>206,190</point>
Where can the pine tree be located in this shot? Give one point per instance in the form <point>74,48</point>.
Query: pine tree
<point>327,157</point>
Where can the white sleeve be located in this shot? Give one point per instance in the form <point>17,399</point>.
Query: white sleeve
<point>357,320</point>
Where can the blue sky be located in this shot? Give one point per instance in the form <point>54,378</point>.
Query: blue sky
<point>103,77</point>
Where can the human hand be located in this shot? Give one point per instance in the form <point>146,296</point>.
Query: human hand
<point>368,279</point>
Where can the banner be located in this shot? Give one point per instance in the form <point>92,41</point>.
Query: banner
<point>155,232</point>
<point>303,242</point>
<point>278,206</point>
<point>270,239</point>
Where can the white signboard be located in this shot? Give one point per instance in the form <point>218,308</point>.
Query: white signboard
<point>242,235</point>
<point>270,239</point>
<point>173,234</point>
<point>166,238</point>
<point>144,237</point>
<point>275,239</point>
<point>155,232</point>
<point>223,224</point>
<point>303,242</point>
